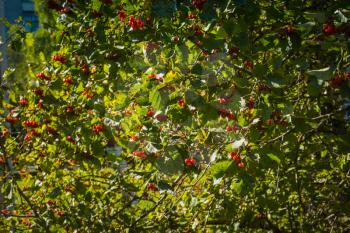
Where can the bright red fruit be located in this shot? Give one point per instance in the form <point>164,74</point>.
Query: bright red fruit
<point>190,162</point>
<point>241,165</point>
<point>181,103</point>
<point>235,156</point>
<point>152,187</point>
<point>152,76</point>
<point>27,137</point>
<point>59,58</point>
<point>70,139</point>
<point>97,128</point>
<point>32,124</point>
<point>122,15</point>
<point>69,109</point>
<point>68,80</point>
<point>150,113</point>
<point>328,28</point>
<point>229,128</point>
<point>135,23</point>
<point>23,101</point>
<point>42,76</point>
<point>140,154</point>
<point>223,100</point>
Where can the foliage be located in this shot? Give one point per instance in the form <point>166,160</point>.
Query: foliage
<point>218,116</point>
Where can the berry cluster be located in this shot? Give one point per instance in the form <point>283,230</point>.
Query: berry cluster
<point>237,158</point>
<point>136,23</point>
<point>59,58</point>
<point>32,124</point>
<point>234,128</point>
<point>227,114</point>
<point>337,80</point>
<point>122,15</point>
<point>42,76</point>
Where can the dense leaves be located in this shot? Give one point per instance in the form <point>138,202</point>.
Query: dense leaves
<point>182,115</point>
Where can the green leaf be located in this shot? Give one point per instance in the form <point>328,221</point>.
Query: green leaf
<point>321,74</point>
<point>219,169</point>
<point>158,99</point>
<point>274,158</point>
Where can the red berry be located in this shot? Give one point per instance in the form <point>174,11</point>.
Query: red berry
<point>235,156</point>
<point>135,23</point>
<point>27,137</point>
<point>337,81</point>
<point>152,187</point>
<point>223,100</point>
<point>233,52</point>
<point>140,154</point>
<point>190,162</point>
<point>328,28</point>
<point>161,117</point>
<point>97,128</point>
<point>65,10</point>
<point>191,15</point>
<point>23,101</point>
<point>122,15</point>
<point>229,128</point>
<point>181,103</point>
<point>248,64</point>
<point>70,139</point>
<point>150,113</point>
<point>59,58</point>
<point>68,80</point>
<point>152,76</point>
<point>43,76</point>
<point>241,165</point>
<point>134,138</point>
<point>85,69</point>
<point>269,122</point>
<point>69,109</point>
